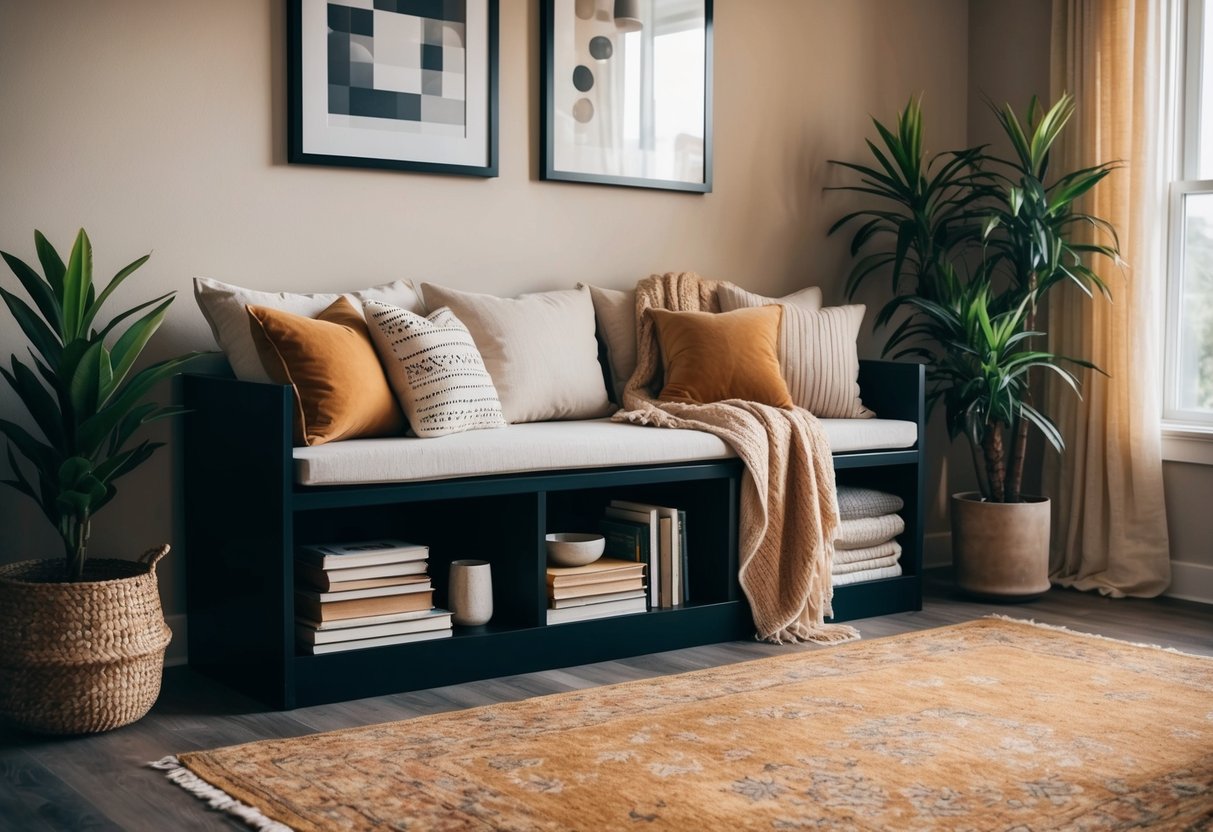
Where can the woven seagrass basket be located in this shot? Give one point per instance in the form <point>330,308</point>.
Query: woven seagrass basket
<point>80,657</point>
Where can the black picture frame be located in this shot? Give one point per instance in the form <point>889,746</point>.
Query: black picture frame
<point>314,139</point>
<point>571,49</point>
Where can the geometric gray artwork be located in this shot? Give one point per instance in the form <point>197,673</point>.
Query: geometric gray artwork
<point>403,60</point>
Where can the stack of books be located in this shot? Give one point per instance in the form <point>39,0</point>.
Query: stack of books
<point>606,587</point>
<point>368,594</point>
<point>655,535</point>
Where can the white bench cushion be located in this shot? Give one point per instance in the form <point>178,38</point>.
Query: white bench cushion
<point>550,446</point>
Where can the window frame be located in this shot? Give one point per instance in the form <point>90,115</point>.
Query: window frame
<point>1177,421</point>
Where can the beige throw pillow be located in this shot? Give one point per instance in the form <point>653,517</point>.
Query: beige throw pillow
<point>539,349</point>
<point>615,311</point>
<point>223,306</point>
<point>435,370</point>
<point>817,351</point>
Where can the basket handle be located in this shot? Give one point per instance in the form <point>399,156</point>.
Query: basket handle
<point>153,556</point>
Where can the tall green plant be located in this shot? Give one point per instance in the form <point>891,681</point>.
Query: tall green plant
<point>81,392</point>
<point>985,238</point>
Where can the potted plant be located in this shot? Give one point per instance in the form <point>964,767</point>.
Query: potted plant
<point>974,242</point>
<point>81,640</point>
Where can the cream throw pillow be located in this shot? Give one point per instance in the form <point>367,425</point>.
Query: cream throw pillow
<point>615,310</point>
<point>223,306</point>
<point>435,370</point>
<point>817,351</point>
<point>539,349</point>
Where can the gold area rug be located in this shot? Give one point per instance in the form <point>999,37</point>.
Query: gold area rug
<point>992,724</point>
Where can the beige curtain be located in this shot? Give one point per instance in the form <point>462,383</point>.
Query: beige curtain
<point>1109,519</point>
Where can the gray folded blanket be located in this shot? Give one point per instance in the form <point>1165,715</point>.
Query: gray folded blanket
<point>855,503</point>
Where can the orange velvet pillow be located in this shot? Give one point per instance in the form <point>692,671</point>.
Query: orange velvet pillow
<point>710,356</point>
<point>341,391</point>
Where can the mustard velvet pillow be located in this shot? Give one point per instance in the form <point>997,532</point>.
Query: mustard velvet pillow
<point>709,357</point>
<point>341,391</point>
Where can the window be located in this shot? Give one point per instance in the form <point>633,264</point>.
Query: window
<point>1189,376</point>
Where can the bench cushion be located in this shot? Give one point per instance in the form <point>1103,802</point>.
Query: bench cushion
<point>551,446</point>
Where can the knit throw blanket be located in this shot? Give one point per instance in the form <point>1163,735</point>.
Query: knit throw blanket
<point>789,511</point>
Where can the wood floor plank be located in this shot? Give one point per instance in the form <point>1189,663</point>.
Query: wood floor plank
<point>100,782</point>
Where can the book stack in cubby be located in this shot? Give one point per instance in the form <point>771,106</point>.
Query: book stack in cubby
<point>367,594</point>
<point>604,588</point>
<point>655,535</point>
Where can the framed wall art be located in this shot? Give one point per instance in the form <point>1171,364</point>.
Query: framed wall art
<point>627,92</point>
<point>397,84</point>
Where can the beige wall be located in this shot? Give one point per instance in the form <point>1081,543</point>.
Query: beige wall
<point>158,125</point>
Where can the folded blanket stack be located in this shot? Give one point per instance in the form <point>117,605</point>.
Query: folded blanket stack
<point>865,547</point>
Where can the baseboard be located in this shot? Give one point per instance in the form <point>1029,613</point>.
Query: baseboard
<point>1191,582</point>
<point>176,653</point>
<point>937,550</point>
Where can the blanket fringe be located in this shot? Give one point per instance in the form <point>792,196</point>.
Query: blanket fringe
<point>1031,622</point>
<point>215,798</point>
<point>797,633</point>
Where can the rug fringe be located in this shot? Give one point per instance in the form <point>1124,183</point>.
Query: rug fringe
<point>215,798</point>
<point>1032,622</point>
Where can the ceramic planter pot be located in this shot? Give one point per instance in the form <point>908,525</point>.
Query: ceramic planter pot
<point>1001,550</point>
<point>80,657</point>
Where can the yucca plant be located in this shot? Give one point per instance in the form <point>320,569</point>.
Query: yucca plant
<point>984,239</point>
<point>80,392</point>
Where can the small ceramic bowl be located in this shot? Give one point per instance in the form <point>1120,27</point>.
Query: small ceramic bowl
<point>574,549</point>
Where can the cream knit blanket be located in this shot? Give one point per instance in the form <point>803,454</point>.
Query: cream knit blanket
<point>789,512</point>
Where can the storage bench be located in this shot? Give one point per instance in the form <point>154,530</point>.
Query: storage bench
<point>250,498</point>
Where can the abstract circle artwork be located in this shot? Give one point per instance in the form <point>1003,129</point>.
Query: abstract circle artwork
<point>583,78</point>
<point>601,48</point>
<point>583,110</point>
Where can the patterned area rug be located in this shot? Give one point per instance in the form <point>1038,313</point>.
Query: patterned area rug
<point>992,724</point>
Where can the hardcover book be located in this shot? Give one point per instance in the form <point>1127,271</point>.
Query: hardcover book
<point>603,569</point>
<point>625,539</point>
<point>369,583</point>
<point>432,620</point>
<point>326,578</point>
<point>648,519</point>
<point>366,592</point>
<point>359,607</point>
<point>582,590</point>
<point>364,553</point>
<point>384,641</point>
<point>562,603</point>
<point>669,570</point>
<point>603,610</point>
<point>367,620</point>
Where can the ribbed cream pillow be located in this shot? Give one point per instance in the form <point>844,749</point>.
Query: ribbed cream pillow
<point>223,306</point>
<point>539,349</point>
<point>434,369</point>
<point>817,351</point>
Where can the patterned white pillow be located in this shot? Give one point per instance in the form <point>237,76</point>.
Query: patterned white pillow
<point>434,369</point>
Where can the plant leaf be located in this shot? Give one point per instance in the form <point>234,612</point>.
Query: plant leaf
<point>77,282</point>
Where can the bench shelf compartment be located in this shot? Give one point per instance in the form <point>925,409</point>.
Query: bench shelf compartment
<point>244,515</point>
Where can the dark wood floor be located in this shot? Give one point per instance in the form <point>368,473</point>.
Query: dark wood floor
<point>100,783</point>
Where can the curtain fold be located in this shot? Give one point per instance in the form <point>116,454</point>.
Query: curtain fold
<point>1109,517</point>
